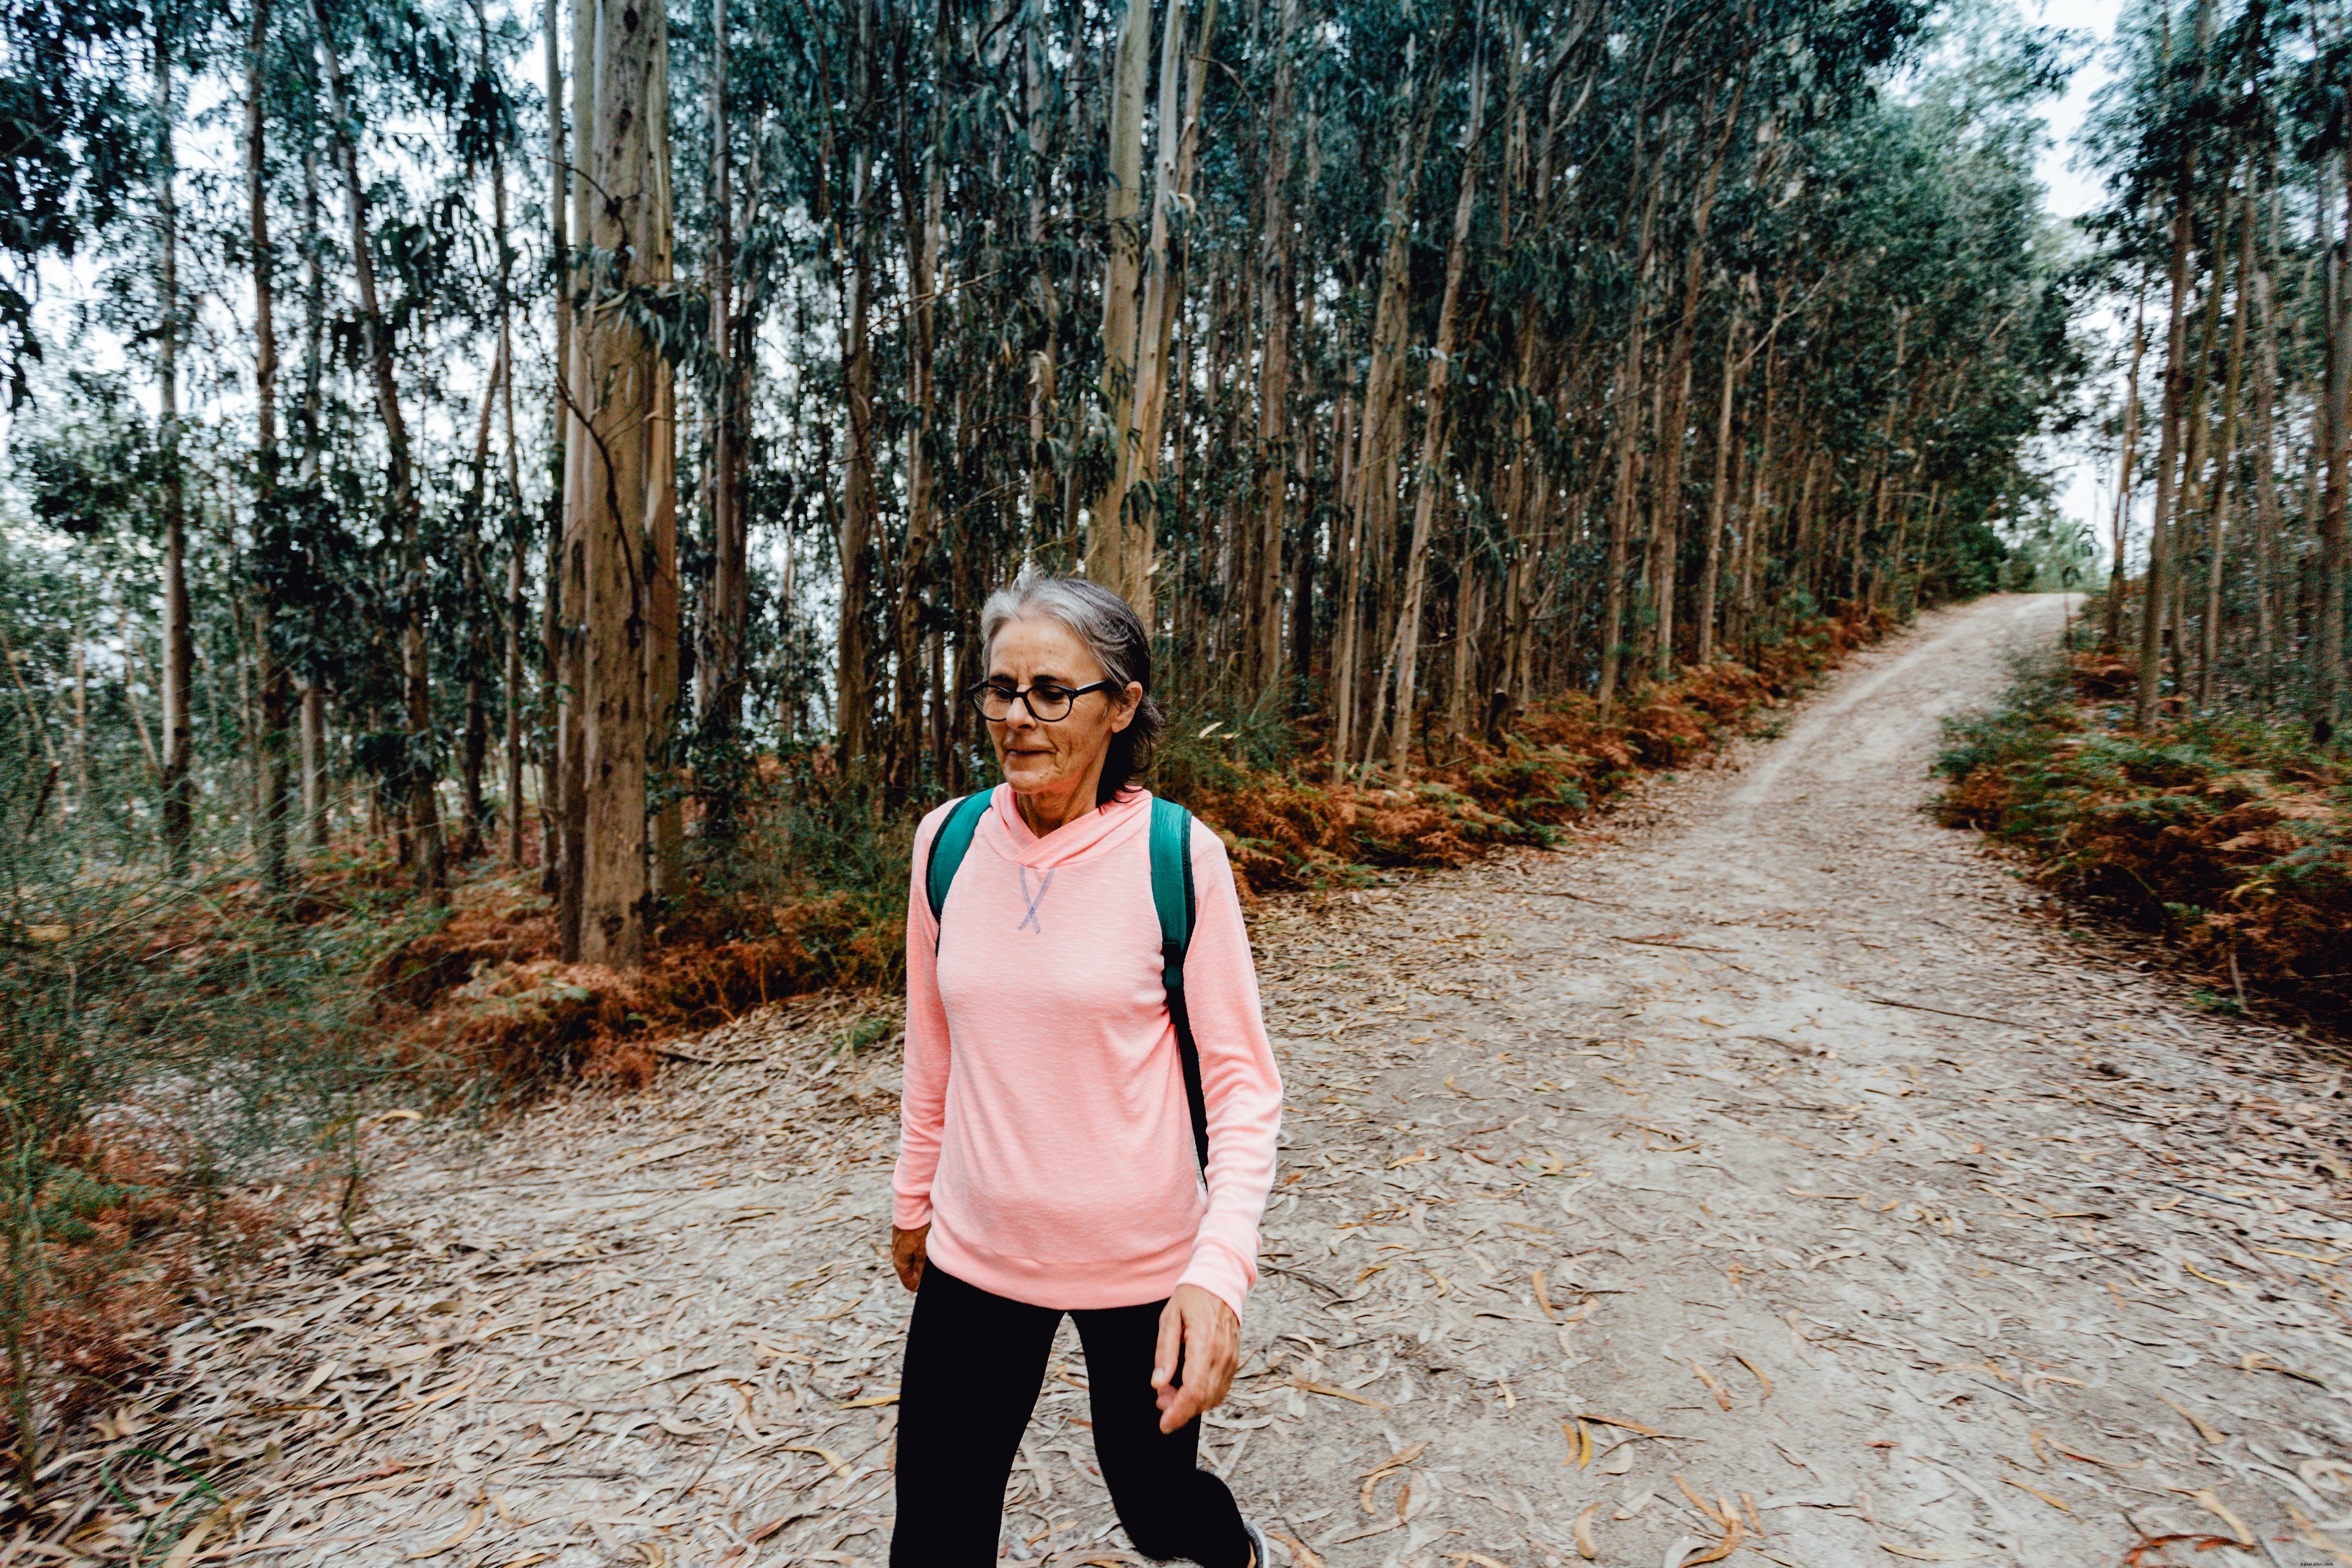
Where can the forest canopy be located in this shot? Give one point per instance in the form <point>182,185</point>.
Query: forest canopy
<point>518,433</point>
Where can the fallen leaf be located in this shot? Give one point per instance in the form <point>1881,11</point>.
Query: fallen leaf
<point>1328,1392</point>
<point>2210,1279</point>
<point>2037,1492</point>
<point>2092,1459</point>
<point>1397,1460</point>
<point>464,1532</point>
<point>1758,1373</point>
<point>2136,1557</point>
<point>186,1552</point>
<point>2205,1433</point>
<point>1628,1426</point>
<point>1586,1547</point>
<point>2210,1501</point>
<point>1722,1394</point>
<point>1580,1444</point>
<point>1933,1554</point>
<point>1699,1502</point>
<point>1725,1547</point>
<point>827,1455</point>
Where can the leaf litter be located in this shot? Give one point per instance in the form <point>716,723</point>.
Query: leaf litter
<point>2087,1260</point>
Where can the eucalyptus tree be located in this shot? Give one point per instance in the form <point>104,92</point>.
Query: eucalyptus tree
<point>668,395</point>
<point>2223,140</point>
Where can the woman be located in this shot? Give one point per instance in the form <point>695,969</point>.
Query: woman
<point>1046,1156</point>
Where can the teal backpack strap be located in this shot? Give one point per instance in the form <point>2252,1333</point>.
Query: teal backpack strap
<point>1171,896</point>
<point>948,848</point>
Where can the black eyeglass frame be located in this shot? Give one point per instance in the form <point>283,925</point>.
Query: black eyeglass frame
<point>978,693</point>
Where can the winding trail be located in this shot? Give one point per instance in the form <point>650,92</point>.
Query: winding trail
<point>1770,1154</point>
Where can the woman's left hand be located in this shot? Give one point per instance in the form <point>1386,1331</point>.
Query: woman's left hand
<point>1204,1330</point>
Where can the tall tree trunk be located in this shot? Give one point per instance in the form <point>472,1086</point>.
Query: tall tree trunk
<point>1179,142</point>
<point>1371,508</point>
<point>2113,637</point>
<point>518,533</point>
<point>1627,428</point>
<point>1627,419</point>
<point>1118,531</point>
<point>860,502</point>
<point>719,671</point>
<point>2168,463</point>
<point>1673,430</point>
<point>624,495</point>
<point>2267,496</point>
<point>2178,373</point>
<point>1469,617</point>
<point>179,648</point>
<point>1717,492</point>
<point>1043,360</point>
<point>1757,531</point>
<point>564,682</point>
<point>1436,435</point>
<point>267,531</point>
<point>1305,557</point>
<point>475,750</point>
<point>314,331</point>
<point>1276,293</point>
<point>420,793</point>
<point>1867,578</point>
<point>2328,650</point>
<point>926,205</point>
<point>662,651</point>
<point>2193,500</point>
<point>2226,457</point>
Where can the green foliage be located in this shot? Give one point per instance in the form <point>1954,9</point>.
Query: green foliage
<point>2232,835</point>
<point>170,1042</point>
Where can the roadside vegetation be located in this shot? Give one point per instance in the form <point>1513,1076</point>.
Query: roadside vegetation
<point>811,893</point>
<point>2228,834</point>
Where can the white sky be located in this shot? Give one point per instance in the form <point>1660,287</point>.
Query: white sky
<point>2089,494</point>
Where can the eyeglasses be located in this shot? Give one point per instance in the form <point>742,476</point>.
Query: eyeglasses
<point>1048,703</point>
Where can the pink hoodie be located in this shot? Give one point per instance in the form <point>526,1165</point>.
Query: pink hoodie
<point>1044,1134</point>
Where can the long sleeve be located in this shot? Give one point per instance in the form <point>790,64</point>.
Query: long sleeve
<point>1239,1081</point>
<point>923,1099</point>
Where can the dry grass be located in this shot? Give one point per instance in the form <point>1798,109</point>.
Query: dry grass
<point>2231,837</point>
<point>487,991</point>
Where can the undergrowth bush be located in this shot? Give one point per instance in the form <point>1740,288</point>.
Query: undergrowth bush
<point>2230,834</point>
<point>809,892</point>
<point>172,1046</point>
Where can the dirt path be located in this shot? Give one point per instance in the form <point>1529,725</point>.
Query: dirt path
<point>1764,1156</point>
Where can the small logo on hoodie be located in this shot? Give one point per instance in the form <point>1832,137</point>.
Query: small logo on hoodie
<point>1029,920</point>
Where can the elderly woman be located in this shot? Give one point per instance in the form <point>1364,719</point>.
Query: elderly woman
<point>1067,1041</point>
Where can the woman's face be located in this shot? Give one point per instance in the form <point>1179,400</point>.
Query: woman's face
<point>1057,758</point>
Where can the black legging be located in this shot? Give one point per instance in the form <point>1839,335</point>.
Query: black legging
<point>974,1363</point>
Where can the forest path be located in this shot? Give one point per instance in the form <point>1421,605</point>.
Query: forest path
<point>2023,1281</point>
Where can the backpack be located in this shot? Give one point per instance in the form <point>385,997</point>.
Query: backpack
<point>1171,896</point>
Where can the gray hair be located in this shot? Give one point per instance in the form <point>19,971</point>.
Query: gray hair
<point>1114,634</point>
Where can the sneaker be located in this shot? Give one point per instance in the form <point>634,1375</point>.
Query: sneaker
<point>1263,1558</point>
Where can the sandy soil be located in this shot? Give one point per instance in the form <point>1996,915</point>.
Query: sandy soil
<point>1767,1175</point>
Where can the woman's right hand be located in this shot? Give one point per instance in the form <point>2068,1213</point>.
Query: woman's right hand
<point>908,1250</point>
